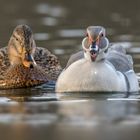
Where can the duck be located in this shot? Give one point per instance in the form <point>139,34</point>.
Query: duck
<point>23,64</point>
<point>99,67</point>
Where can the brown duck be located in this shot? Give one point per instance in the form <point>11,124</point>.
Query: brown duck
<point>22,64</point>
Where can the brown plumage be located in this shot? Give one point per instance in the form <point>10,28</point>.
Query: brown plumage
<point>22,64</point>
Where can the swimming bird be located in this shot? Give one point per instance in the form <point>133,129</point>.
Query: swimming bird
<point>99,67</point>
<point>22,64</point>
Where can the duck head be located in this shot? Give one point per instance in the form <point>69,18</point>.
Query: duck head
<point>95,43</point>
<point>21,47</point>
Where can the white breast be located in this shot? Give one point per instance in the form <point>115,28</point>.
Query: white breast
<point>84,75</point>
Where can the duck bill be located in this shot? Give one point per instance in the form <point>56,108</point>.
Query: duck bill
<point>29,61</point>
<point>94,50</point>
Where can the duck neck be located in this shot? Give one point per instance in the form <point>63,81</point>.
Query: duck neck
<point>13,55</point>
<point>14,60</point>
<point>100,56</point>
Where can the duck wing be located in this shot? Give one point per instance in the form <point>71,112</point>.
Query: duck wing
<point>48,61</point>
<point>4,61</point>
<point>75,57</point>
<point>121,61</point>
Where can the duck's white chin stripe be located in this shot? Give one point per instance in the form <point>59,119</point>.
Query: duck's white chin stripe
<point>107,43</point>
<point>83,44</point>
<point>87,51</point>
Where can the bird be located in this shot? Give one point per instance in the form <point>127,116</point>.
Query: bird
<point>23,64</point>
<point>99,67</point>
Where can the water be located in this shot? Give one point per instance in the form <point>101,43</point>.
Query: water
<point>39,113</point>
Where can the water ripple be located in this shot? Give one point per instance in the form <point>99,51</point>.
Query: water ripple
<point>49,21</point>
<point>54,11</point>
<point>41,36</point>
<point>71,33</point>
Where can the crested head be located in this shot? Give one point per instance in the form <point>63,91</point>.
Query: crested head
<point>21,46</point>
<point>95,43</point>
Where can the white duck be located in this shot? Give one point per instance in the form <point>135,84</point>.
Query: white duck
<point>97,68</point>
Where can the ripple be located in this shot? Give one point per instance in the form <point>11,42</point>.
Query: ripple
<point>59,51</point>
<point>54,11</point>
<point>134,50</point>
<point>49,21</point>
<point>29,119</point>
<point>4,100</point>
<point>124,37</point>
<point>125,45</point>
<point>71,33</point>
<point>41,36</point>
<point>64,43</point>
<point>43,8</point>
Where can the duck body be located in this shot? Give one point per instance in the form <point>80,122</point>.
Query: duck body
<point>123,63</point>
<point>20,76</point>
<point>98,78</point>
<point>22,64</point>
<point>110,71</point>
<point>47,69</point>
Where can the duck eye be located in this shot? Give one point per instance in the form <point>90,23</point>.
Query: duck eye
<point>87,35</point>
<point>102,35</point>
<point>16,38</point>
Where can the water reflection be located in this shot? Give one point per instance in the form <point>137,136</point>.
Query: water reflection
<point>91,95</point>
<point>43,95</point>
<point>67,118</point>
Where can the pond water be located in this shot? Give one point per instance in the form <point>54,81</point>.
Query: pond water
<point>39,113</point>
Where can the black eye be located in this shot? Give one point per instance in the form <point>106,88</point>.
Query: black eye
<point>102,35</point>
<point>16,38</point>
<point>87,35</point>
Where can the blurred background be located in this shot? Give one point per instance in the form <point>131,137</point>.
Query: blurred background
<point>59,25</point>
